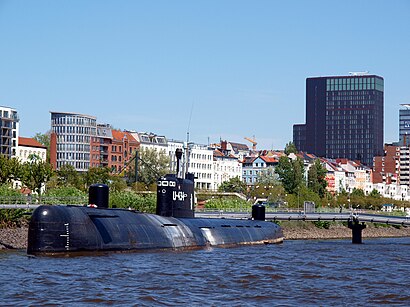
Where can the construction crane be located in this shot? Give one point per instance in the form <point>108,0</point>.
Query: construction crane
<point>254,143</point>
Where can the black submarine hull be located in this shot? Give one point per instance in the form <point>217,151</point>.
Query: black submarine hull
<point>67,229</point>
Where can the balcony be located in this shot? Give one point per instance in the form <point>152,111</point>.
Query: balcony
<point>6,134</point>
<point>9,117</point>
<point>103,153</point>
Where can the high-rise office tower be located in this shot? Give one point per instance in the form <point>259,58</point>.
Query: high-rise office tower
<point>344,117</point>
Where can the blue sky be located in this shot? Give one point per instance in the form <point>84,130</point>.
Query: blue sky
<point>240,66</point>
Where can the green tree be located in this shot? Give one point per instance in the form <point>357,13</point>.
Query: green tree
<point>44,139</point>
<point>375,194</point>
<point>268,186</point>
<point>357,193</point>
<point>290,173</point>
<point>152,164</point>
<point>36,173</point>
<point>10,169</point>
<point>358,198</point>
<point>235,185</point>
<point>67,175</point>
<point>96,175</point>
<point>273,193</point>
<point>317,178</point>
<point>267,177</point>
<point>117,183</point>
<point>290,148</point>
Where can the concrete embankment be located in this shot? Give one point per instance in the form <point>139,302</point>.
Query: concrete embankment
<point>308,231</point>
<point>13,238</point>
<point>16,238</point>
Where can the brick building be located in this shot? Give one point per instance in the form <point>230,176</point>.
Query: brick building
<point>386,168</point>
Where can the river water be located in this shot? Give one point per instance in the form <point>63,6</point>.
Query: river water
<point>306,273</point>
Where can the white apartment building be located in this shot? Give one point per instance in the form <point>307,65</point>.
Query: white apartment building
<point>226,167</point>
<point>25,149</point>
<point>151,140</point>
<point>405,165</point>
<point>394,191</point>
<point>200,163</point>
<point>162,144</point>
<point>9,131</point>
<point>172,146</point>
<point>28,147</point>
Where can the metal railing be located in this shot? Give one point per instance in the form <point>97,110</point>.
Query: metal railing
<point>42,200</point>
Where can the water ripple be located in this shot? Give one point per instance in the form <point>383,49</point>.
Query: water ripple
<point>307,273</point>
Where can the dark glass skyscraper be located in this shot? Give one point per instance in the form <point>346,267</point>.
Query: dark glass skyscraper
<point>344,118</point>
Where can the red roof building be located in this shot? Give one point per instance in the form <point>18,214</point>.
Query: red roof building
<point>123,148</point>
<point>28,147</point>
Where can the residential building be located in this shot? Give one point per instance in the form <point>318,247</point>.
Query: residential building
<point>404,173</point>
<point>112,148</point>
<point>200,163</point>
<point>9,131</point>
<point>123,148</point>
<point>226,167</point>
<point>151,140</point>
<point>335,176</point>
<point>307,159</point>
<point>344,117</point>
<point>253,167</point>
<point>101,146</point>
<point>172,146</point>
<point>386,168</point>
<point>237,150</point>
<point>70,142</point>
<point>404,125</point>
<point>28,147</point>
<point>358,176</point>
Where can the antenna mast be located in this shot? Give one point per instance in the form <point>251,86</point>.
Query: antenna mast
<point>187,140</point>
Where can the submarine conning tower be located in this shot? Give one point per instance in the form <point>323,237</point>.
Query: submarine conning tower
<point>175,196</point>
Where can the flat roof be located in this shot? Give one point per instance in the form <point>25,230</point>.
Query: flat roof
<point>73,113</point>
<point>347,76</point>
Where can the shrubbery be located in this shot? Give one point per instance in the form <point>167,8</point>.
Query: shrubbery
<point>13,217</point>
<point>228,204</point>
<point>322,224</point>
<point>128,199</point>
<point>65,195</point>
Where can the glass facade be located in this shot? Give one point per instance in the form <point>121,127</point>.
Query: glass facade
<point>354,84</point>
<point>74,134</point>
<point>344,117</point>
<point>354,118</point>
<point>299,136</point>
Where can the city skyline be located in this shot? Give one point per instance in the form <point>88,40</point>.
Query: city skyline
<point>222,69</point>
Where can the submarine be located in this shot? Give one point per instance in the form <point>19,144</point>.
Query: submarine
<point>70,229</point>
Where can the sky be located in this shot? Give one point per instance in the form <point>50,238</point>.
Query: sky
<point>220,69</point>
